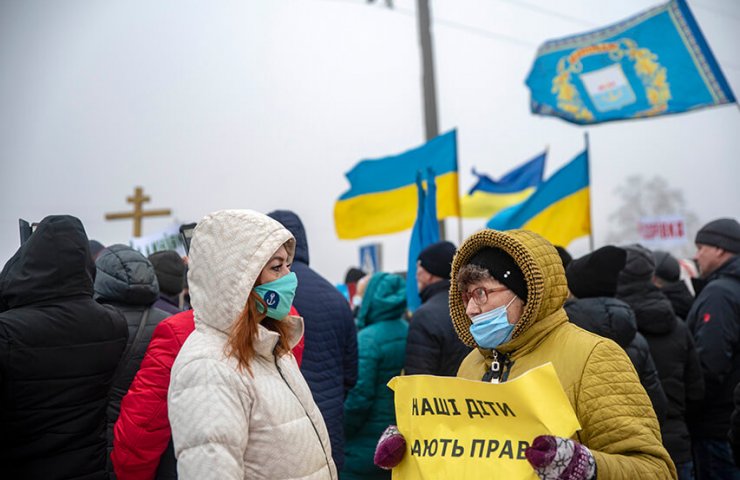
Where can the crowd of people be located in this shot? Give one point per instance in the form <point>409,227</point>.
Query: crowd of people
<point>241,361</point>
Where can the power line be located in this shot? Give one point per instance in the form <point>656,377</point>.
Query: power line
<point>548,12</point>
<point>716,11</point>
<point>470,29</point>
<point>526,5</point>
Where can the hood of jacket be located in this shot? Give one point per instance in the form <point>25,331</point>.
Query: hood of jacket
<point>228,251</point>
<point>546,285</point>
<point>125,276</point>
<point>604,316</point>
<point>639,265</point>
<point>652,308</point>
<point>384,299</point>
<point>53,263</point>
<point>293,223</point>
<point>680,297</point>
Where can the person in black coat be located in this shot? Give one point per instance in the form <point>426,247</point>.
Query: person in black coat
<point>592,280</point>
<point>433,347</point>
<point>329,362</point>
<point>126,280</point>
<point>58,352</point>
<point>170,269</point>
<point>672,348</point>
<point>714,320</point>
<point>668,279</point>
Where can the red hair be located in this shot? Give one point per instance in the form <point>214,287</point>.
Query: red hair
<point>240,344</point>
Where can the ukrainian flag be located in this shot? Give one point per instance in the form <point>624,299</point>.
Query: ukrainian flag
<point>560,208</point>
<point>488,196</point>
<point>383,198</point>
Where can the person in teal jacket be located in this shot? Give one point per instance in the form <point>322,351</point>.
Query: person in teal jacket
<point>381,345</point>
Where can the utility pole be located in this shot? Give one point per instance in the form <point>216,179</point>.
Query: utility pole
<point>427,68</point>
<point>429,86</point>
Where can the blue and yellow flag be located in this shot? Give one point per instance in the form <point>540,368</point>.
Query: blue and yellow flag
<point>424,233</point>
<point>654,63</point>
<point>382,196</point>
<point>488,196</point>
<point>560,208</point>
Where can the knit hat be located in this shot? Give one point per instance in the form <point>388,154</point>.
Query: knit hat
<point>503,268</point>
<point>353,275</point>
<point>170,270</point>
<point>596,274</point>
<point>437,258</point>
<point>666,266</point>
<point>723,233</point>
<point>640,264</point>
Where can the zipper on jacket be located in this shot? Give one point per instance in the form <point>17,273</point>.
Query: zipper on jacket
<point>495,368</point>
<point>316,430</point>
<point>499,371</point>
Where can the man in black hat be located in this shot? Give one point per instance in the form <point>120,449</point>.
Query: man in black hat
<point>714,320</point>
<point>433,347</point>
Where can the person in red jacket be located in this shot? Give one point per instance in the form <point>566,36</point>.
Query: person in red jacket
<point>142,439</point>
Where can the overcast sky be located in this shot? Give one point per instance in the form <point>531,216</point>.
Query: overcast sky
<point>264,104</point>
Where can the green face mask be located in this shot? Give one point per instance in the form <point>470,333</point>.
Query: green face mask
<point>278,295</point>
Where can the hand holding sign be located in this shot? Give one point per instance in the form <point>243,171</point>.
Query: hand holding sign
<point>390,448</point>
<point>457,428</point>
<point>557,458</point>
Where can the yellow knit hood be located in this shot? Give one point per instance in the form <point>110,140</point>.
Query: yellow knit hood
<point>542,269</point>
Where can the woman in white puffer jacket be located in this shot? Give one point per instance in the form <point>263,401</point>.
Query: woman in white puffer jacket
<point>238,405</point>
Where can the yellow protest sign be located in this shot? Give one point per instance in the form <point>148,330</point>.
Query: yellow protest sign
<point>457,428</point>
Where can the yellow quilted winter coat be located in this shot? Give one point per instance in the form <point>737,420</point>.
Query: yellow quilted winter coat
<point>617,420</point>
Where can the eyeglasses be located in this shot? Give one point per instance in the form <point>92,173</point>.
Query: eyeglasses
<point>479,295</point>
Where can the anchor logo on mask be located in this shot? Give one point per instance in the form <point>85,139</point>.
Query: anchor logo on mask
<point>271,298</point>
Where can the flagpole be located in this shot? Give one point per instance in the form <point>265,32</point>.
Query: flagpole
<point>459,205</point>
<point>590,216</point>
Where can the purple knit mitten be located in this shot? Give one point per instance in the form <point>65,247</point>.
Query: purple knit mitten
<point>557,458</point>
<point>390,448</point>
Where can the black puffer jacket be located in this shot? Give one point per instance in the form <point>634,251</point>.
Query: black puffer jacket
<point>126,280</point>
<point>714,321</point>
<point>673,351</point>
<point>58,351</point>
<point>614,319</point>
<point>433,347</point>
<point>330,354</point>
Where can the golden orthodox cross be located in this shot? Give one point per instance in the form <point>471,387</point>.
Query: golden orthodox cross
<point>138,214</point>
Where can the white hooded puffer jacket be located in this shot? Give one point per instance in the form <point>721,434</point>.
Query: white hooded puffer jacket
<point>225,423</point>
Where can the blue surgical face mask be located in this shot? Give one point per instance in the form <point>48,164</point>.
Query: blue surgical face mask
<point>492,328</point>
<point>278,295</point>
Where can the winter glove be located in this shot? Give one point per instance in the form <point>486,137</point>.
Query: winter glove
<point>390,449</point>
<point>558,458</point>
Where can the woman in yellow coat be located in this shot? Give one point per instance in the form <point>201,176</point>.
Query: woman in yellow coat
<point>506,301</point>
<point>618,424</point>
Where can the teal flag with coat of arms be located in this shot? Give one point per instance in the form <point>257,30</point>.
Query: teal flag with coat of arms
<point>654,63</point>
